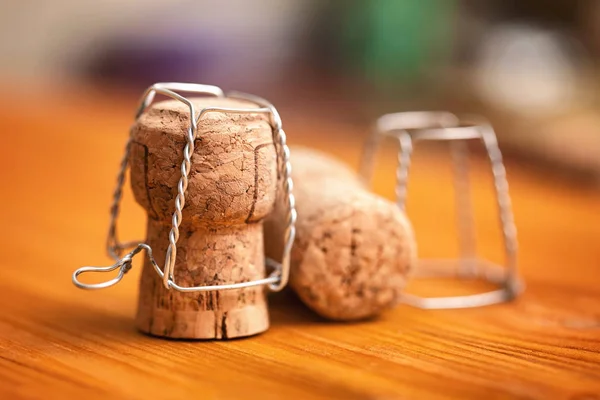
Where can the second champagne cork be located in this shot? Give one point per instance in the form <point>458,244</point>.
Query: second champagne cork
<point>353,249</point>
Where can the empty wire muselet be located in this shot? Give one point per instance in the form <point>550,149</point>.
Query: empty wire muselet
<point>409,127</point>
<point>279,275</point>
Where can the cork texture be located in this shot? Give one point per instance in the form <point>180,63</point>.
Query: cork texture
<point>353,249</point>
<point>232,187</point>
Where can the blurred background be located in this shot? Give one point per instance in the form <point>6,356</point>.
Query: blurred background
<point>72,72</point>
<point>530,66</point>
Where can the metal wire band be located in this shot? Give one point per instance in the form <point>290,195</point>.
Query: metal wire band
<point>279,277</point>
<point>412,126</point>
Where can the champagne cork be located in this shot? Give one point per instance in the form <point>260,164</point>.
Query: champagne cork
<point>232,187</point>
<point>353,249</point>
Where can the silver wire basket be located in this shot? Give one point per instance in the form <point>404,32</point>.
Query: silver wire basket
<point>407,128</point>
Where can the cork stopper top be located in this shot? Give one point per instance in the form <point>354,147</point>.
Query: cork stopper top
<point>233,171</point>
<point>173,116</point>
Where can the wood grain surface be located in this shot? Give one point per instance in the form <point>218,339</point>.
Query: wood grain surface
<point>58,162</point>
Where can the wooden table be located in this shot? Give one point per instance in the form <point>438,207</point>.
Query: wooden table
<point>58,161</point>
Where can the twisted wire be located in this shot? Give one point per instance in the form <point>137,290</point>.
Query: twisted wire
<point>179,204</point>
<point>509,229</point>
<point>290,202</point>
<point>402,168</point>
<point>113,247</point>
